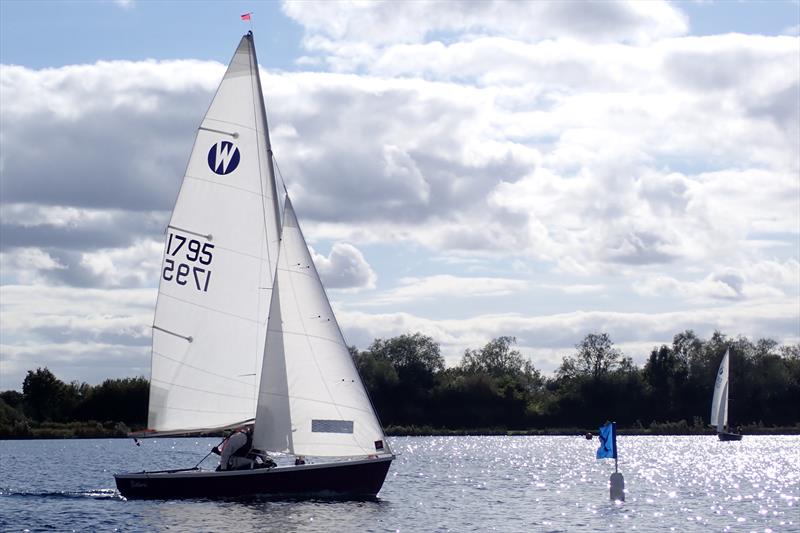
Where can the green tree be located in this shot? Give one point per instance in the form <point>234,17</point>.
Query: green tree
<point>12,398</point>
<point>44,396</point>
<point>119,400</point>
<point>498,359</point>
<point>491,387</point>
<point>12,422</point>
<point>687,344</point>
<point>416,358</point>
<point>596,356</point>
<point>693,390</point>
<point>417,351</point>
<point>790,399</point>
<point>596,383</point>
<point>665,373</point>
<point>381,381</point>
<point>417,361</point>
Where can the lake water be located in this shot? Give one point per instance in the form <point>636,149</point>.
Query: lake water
<point>436,484</point>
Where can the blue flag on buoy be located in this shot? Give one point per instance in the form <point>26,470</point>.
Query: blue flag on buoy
<point>608,441</point>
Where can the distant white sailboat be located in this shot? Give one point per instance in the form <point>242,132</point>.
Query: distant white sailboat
<point>719,403</point>
<point>243,332</point>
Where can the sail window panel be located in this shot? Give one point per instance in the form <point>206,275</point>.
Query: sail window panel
<point>339,388</point>
<point>331,444</point>
<point>331,426</point>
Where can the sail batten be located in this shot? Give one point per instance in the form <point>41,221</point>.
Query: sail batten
<point>205,308</point>
<point>221,394</point>
<point>222,185</point>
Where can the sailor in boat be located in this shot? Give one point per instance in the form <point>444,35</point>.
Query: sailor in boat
<point>233,450</point>
<point>236,452</point>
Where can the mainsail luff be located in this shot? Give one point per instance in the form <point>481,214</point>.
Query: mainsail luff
<point>210,319</point>
<point>311,398</point>
<point>275,222</point>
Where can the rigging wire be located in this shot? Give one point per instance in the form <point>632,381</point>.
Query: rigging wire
<point>280,174</point>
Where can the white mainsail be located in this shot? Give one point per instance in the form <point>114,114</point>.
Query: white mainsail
<point>218,266</point>
<point>719,403</point>
<point>311,398</point>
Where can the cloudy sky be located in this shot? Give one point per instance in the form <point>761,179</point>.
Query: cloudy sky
<point>463,169</point>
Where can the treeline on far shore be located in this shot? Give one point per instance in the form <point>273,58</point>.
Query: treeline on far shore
<point>49,408</point>
<point>494,390</point>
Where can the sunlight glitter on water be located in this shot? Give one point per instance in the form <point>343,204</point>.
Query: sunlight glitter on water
<point>682,482</point>
<point>436,484</point>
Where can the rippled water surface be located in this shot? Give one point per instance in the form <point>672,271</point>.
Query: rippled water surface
<point>436,484</point>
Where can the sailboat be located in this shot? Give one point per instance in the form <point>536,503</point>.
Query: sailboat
<point>719,403</point>
<point>243,331</point>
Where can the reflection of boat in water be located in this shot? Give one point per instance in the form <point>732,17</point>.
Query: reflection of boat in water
<point>719,403</point>
<point>243,332</point>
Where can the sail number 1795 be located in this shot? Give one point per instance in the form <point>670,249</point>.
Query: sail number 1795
<point>187,262</point>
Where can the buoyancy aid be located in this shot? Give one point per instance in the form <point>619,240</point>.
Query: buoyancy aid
<point>244,450</point>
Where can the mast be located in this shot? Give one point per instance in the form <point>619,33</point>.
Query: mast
<point>728,392</point>
<point>270,164</point>
<point>724,404</point>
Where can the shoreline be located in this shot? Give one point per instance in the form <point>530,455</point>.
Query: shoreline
<point>120,431</point>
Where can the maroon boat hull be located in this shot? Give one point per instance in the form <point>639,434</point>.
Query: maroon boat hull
<point>361,478</point>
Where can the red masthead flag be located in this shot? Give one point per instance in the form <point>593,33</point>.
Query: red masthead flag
<point>246,16</point>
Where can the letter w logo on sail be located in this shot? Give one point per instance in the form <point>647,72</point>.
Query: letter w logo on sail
<point>223,158</point>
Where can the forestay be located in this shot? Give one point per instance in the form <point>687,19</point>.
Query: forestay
<point>311,399</point>
<point>218,266</point>
<point>719,403</point>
